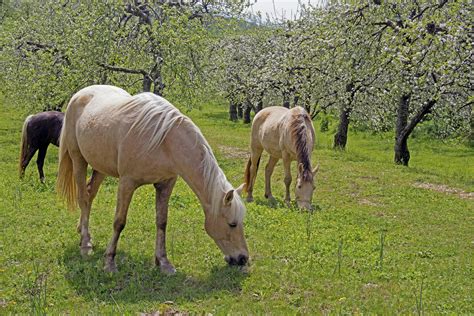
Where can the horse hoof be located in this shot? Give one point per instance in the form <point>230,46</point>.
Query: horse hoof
<point>110,267</point>
<point>167,269</point>
<point>249,199</point>
<point>86,252</point>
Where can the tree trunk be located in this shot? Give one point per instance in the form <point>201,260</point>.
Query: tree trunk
<point>402,154</point>
<point>247,109</point>
<point>296,98</point>
<point>286,100</point>
<point>405,128</point>
<point>233,111</point>
<point>147,83</point>
<point>340,139</point>
<point>240,112</point>
<point>259,105</point>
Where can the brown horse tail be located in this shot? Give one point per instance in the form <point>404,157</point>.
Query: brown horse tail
<point>247,173</point>
<point>24,145</point>
<point>65,185</point>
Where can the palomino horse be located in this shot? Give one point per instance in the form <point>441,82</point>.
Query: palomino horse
<point>287,134</point>
<point>38,132</point>
<point>143,139</point>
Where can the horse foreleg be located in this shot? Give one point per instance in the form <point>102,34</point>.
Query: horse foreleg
<point>163,193</point>
<point>124,196</point>
<point>268,174</point>
<point>40,161</point>
<point>287,168</point>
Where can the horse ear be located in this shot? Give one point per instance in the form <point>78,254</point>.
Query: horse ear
<point>315,170</point>
<point>228,197</point>
<point>300,168</point>
<point>240,189</point>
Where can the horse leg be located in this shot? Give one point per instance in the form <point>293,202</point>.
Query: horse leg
<point>40,161</point>
<point>92,187</point>
<point>124,196</point>
<point>26,159</point>
<point>255,160</point>
<point>287,167</point>
<point>80,175</point>
<point>163,193</point>
<point>268,174</point>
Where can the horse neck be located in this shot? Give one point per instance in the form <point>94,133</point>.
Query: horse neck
<point>202,173</point>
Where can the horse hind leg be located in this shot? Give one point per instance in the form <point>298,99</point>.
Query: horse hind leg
<point>254,163</point>
<point>163,193</point>
<point>25,160</point>
<point>124,196</point>
<point>40,161</point>
<point>80,175</point>
<point>92,187</point>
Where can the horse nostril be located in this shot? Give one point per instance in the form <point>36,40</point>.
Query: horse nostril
<point>242,260</point>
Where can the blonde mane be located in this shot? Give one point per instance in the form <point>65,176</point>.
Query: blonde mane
<point>153,115</point>
<point>217,183</point>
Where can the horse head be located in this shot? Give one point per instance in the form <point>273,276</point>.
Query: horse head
<point>226,227</point>
<point>305,186</point>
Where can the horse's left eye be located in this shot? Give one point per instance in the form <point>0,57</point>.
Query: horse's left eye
<point>233,225</point>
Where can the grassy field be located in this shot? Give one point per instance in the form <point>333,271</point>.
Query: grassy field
<point>383,238</point>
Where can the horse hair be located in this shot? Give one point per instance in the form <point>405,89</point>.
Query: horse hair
<point>299,133</point>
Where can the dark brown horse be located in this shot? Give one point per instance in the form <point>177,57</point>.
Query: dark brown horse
<point>38,132</point>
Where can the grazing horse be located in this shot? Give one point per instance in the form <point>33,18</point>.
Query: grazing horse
<point>143,139</point>
<point>287,134</point>
<point>38,132</point>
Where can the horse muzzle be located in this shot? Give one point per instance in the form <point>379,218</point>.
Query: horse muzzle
<point>241,260</point>
<point>304,204</point>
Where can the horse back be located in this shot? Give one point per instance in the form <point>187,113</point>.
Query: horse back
<point>45,128</point>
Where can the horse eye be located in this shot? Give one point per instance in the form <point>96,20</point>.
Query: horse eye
<point>299,186</point>
<point>233,225</point>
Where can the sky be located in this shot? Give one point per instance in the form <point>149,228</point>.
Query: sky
<point>284,8</point>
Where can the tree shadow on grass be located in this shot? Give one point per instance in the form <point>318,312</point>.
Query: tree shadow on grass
<point>139,280</point>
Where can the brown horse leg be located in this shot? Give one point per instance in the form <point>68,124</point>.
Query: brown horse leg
<point>40,161</point>
<point>26,159</point>
<point>287,167</point>
<point>80,174</point>
<point>124,196</point>
<point>92,187</point>
<point>255,156</point>
<point>268,174</point>
<point>163,193</point>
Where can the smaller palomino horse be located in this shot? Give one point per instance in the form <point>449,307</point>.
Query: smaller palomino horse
<point>143,139</point>
<point>38,132</point>
<point>286,134</point>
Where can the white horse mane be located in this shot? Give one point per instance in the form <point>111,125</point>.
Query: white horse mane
<point>218,184</point>
<point>150,112</point>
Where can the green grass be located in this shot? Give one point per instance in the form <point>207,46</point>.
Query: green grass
<point>375,243</point>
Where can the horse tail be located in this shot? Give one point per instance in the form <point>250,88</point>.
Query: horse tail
<point>247,173</point>
<point>66,185</point>
<point>24,144</point>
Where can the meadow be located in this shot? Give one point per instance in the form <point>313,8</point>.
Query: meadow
<point>382,238</point>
